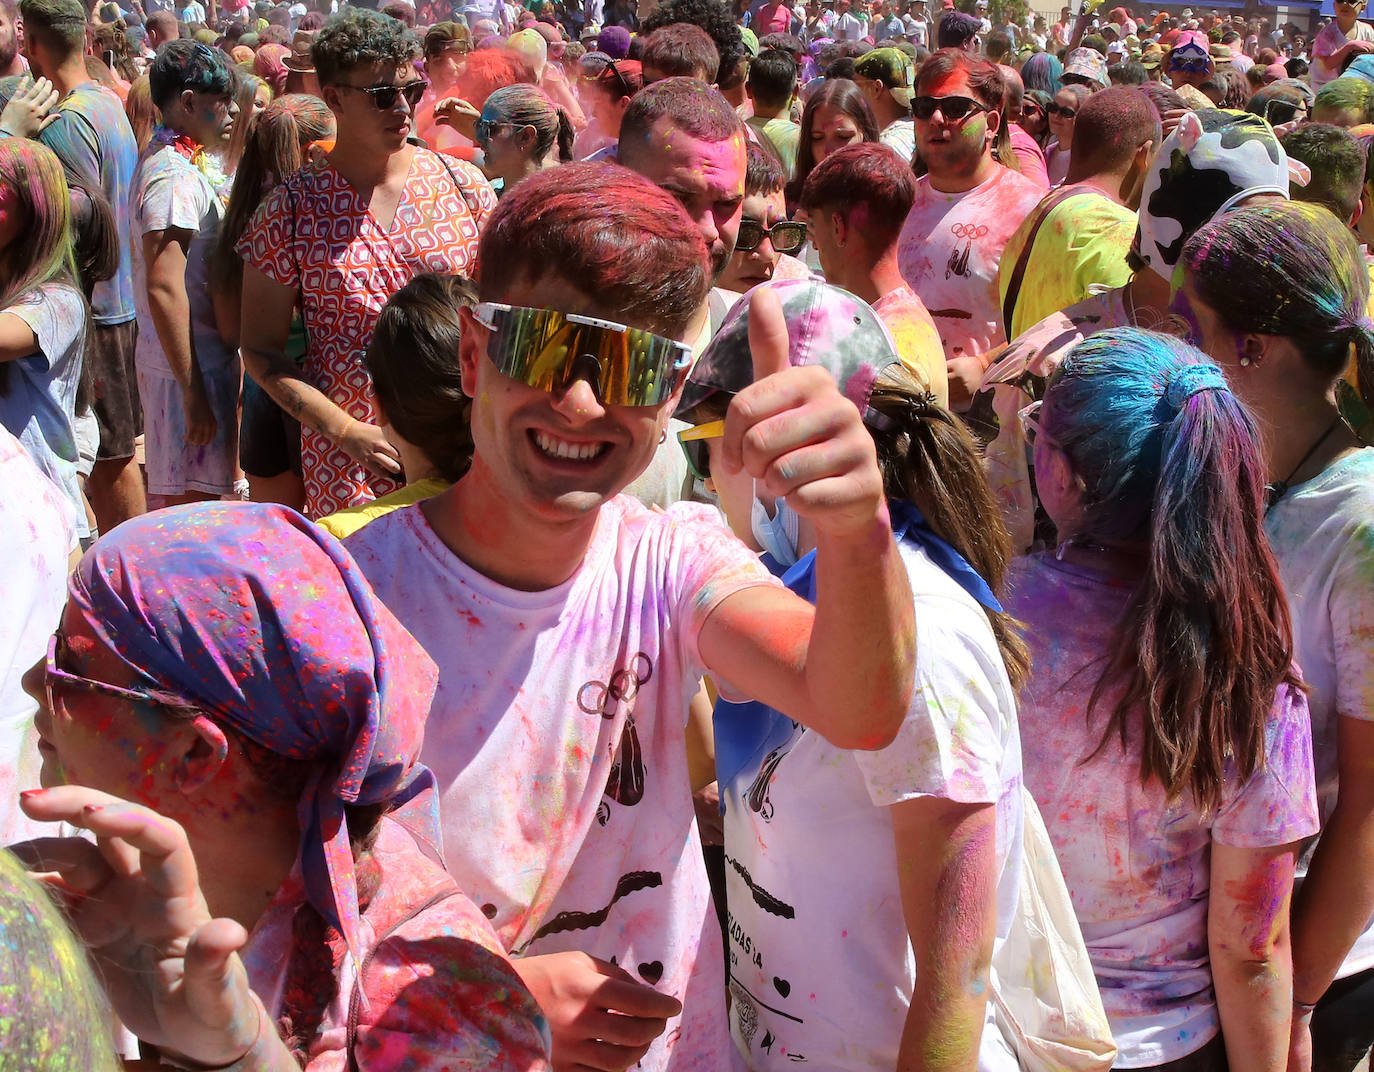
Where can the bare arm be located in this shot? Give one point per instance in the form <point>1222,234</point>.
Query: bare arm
<point>1337,898</point>
<point>1251,952</point>
<point>947,867</point>
<point>266,322</point>
<point>164,253</point>
<point>846,668</point>
<point>16,338</point>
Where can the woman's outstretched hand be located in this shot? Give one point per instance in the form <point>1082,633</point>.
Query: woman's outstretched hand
<point>172,972</point>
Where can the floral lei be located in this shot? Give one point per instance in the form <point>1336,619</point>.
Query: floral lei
<point>208,164</point>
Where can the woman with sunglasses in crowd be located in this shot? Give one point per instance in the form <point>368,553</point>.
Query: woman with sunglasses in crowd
<point>1165,727</point>
<point>767,239</point>
<point>1035,117</point>
<point>521,132</point>
<point>867,889</point>
<point>230,709</point>
<point>1062,111</point>
<point>605,97</point>
<point>1278,295</point>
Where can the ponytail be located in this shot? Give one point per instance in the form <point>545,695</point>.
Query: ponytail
<point>275,151</point>
<point>1240,260</point>
<point>565,137</point>
<point>1171,462</point>
<point>931,460</point>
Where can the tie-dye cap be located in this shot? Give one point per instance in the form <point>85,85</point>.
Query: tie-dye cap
<point>1208,165</point>
<point>826,326</point>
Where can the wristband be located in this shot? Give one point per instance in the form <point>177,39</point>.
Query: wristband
<point>344,430</point>
<point>1302,1011</point>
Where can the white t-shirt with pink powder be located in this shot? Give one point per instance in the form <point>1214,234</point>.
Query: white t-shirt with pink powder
<point>949,251</point>
<point>557,737</point>
<point>1138,868</point>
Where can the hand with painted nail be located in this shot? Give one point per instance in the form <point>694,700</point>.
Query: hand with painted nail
<point>171,971</point>
<point>799,437</point>
<point>30,110</point>
<point>601,1017</point>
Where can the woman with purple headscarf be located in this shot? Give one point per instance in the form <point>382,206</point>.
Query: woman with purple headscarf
<point>235,716</point>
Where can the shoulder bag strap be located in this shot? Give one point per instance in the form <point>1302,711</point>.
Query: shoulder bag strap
<point>1050,202</point>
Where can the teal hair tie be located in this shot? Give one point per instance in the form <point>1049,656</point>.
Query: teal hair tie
<point>1191,380</point>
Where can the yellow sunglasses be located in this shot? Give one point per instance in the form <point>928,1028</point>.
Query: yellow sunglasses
<point>693,443</point>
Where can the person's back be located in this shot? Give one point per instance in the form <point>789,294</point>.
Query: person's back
<point>1167,747</point>
<point>1082,232</point>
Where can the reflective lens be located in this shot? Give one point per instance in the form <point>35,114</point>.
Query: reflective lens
<point>952,108</point>
<point>786,237</point>
<point>548,350</point>
<point>1060,109</point>
<point>693,443</point>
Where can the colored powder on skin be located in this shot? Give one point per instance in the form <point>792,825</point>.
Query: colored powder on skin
<point>52,1013</point>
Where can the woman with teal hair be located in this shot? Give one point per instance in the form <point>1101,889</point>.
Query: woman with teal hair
<point>1166,732</point>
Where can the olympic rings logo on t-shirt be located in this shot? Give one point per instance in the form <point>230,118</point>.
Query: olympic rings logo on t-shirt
<point>971,231</point>
<point>601,697</point>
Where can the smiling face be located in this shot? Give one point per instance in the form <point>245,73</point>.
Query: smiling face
<point>556,455</point>
<point>1060,125</point>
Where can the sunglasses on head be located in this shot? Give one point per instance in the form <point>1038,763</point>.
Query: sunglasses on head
<point>548,350</point>
<point>384,97</point>
<point>625,90</point>
<point>952,108</point>
<point>786,236</point>
<point>693,444</point>
<point>1061,109</point>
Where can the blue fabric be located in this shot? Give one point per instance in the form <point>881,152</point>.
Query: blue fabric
<point>746,732</point>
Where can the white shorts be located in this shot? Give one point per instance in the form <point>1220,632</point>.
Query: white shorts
<point>173,466</point>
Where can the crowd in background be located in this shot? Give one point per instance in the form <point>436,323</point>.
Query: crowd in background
<point>589,536</point>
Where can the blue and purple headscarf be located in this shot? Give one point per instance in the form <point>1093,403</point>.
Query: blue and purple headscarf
<point>263,620</point>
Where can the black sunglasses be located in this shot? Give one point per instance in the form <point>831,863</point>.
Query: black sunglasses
<point>1061,109</point>
<point>952,108</point>
<point>483,129</point>
<point>786,236</point>
<point>1030,109</point>
<point>384,97</point>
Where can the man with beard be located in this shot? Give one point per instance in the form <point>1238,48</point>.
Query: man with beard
<point>10,61</point>
<point>92,137</point>
<point>684,137</point>
<point>966,207</point>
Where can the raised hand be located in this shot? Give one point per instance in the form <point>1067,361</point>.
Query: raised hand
<point>171,971</point>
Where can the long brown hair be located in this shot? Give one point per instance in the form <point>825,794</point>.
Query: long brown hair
<point>931,460</point>
<point>275,150</point>
<point>1171,464</point>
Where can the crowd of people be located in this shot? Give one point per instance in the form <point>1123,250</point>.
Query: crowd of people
<point>588,537</point>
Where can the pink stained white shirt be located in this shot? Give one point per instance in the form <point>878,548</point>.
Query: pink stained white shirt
<point>1137,867</point>
<point>1030,156</point>
<point>557,737</point>
<point>949,250</point>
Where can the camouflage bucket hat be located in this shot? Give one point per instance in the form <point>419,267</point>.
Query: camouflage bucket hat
<point>826,326</point>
